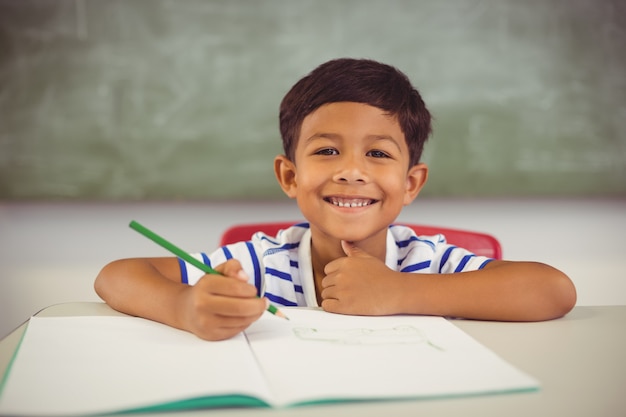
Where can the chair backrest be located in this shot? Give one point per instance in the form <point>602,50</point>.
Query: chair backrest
<point>479,243</point>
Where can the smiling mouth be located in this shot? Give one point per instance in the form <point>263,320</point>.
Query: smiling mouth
<point>349,202</point>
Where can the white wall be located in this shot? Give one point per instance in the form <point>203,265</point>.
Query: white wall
<point>51,252</point>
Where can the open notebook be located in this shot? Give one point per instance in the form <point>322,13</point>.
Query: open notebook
<point>93,365</point>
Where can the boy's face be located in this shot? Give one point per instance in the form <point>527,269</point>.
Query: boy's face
<point>351,174</point>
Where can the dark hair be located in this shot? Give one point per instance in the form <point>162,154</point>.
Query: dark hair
<point>361,81</point>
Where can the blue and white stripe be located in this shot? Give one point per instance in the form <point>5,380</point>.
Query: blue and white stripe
<point>275,264</point>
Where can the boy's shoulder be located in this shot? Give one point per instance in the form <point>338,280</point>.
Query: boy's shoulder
<point>405,235</point>
<point>286,238</point>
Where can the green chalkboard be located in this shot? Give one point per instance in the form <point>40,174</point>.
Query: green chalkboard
<point>166,99</point>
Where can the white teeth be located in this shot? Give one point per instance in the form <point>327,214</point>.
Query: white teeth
<point>341,202</point>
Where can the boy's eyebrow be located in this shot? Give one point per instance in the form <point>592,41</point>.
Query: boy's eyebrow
<point>323,136</point>
<point>335,136</point>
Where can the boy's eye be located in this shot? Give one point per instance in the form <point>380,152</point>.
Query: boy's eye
<point>327,151</point>
<point>378,154</point>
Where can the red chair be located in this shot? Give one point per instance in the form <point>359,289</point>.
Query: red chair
<point>479,243</point>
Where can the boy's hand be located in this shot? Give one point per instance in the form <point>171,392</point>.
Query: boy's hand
<point>221,306</point>
<point>358,284</point>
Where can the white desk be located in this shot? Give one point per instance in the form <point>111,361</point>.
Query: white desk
<point>580,361</point>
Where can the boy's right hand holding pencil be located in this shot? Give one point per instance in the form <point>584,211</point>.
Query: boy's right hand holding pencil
<point>216,308</point>
<point>221,306</point>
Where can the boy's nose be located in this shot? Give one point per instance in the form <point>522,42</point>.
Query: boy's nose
<point>351,170</point>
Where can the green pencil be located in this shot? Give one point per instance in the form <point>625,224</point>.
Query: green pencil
<point>187,257</point>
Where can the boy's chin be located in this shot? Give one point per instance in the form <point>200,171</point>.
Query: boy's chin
<point>354,237</point>
<point>350,232</point>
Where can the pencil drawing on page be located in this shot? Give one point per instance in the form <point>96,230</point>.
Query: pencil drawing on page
<point>398,335</point>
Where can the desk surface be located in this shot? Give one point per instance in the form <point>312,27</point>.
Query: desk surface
<point>580,361</point>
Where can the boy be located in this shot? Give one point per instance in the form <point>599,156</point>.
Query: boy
<point>353,133</point>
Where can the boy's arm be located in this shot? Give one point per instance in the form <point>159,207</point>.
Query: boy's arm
<point>217,307</point>
<point>502,290</point>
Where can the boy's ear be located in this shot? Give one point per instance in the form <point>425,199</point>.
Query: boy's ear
<point>415,180</point>
<point>285,172</point>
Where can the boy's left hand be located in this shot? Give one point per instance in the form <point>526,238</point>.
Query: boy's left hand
<point>358,284</point>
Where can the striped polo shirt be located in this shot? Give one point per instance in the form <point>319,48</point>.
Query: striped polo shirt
<point>280,266</point>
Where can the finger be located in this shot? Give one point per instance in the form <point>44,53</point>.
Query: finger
<point>232,268</point>
<point>347,247</point>
<point>226,286</point>
<point>220,333</point>
<point>331,305</point>
<point>227,328</point>
<point>237,308</point>
<point>351,250</point>
<point>328,293</point>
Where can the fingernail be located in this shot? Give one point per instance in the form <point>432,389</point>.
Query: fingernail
<point>242,275</point>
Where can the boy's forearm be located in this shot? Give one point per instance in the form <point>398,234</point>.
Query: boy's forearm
<point>139,289</point>
<point>507,291</point>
